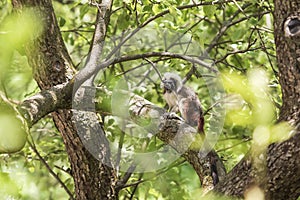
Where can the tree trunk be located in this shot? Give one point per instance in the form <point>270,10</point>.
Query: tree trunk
<point>52,65</point>
<point>282,179</point>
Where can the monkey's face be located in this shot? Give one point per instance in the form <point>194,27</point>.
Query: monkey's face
<point>169,86</point>
<point>170,83</point>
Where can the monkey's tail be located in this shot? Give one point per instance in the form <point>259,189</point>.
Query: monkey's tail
<point>200,126</point>
<point>214,170</point>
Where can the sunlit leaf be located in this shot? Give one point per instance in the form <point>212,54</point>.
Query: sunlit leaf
<point>8,188</point>
<point>238,84</point>
<point>17,30</point>
<point>239,117</point>
<point>12,134</point>
<point>280,132</point>
<point>261,135</point>
<point>84,9</point>
<point>254,193</point>
<point>156,9</point>
<point>209,10</point>
<point>173,10</point>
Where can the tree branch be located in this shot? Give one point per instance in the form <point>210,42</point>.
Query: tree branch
<point>83,76</point>
<point>33,147</point>
<point>173,131</point>
<point>36,107</point>
<point>161,14</point>
<point>224,28</point>
<point>60,96</point>
<point>154,176</point>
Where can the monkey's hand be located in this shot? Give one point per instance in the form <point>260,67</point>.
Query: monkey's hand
<point>172,115</point>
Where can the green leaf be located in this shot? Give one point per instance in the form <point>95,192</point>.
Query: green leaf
<point>84,9</point>
<point>156,9</point>
<point>280,132</point>
<point>209,11</point>
<point>8,188</point>
<point>123,21</point>
<point>12,135</point>
<point>238,33</point>
<point>173,11</point>
<point>61,21</point>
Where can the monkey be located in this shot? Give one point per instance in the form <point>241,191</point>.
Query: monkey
<point>182,98</point>
<point>170,84</point>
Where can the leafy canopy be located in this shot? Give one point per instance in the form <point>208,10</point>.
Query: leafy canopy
<point>237,37</point>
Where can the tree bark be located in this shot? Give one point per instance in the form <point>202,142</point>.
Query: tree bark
<point>282,178</point>
<point>183,138</point>
<point>52,65</point>
<point>288,54</point>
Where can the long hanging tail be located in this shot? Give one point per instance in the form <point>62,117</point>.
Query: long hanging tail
<point>213,162</point>
<point>200,125</point>
<point>213,169</point>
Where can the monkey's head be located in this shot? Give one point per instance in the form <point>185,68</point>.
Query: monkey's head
<point>171,83</point>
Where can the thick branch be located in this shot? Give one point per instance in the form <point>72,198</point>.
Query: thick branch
<point>83,75</point>
<point>60,96</point>
<point>183,138</point>
<point>36,107</point>
<point>101,24</point>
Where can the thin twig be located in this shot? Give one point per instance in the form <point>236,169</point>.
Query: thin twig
<point>266,52</point>
<point>188,58</point>
<point>68,171</point>
<point>183,34</point>
<point>239,7</point>
<point>82,76</point>
<point>155,68</point>
<point>140,65</point>
<point>237,52</point>
<point>234,138</point>
<point>161,14</point>
<point>135,187</point>
<point>127,175</point>
<point>224,27</point>
<point>211,107</point>
<point>157,174</point>
<point>120,146</point>
<point>239,143</point>
<point>33,147</point>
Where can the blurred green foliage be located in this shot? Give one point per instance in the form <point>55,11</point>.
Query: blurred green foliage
<point>244,53</point>
<point>22,175</point>
<point>12,132</point>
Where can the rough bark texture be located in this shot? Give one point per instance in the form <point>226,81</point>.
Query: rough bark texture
<point>173,131</point>
<point>36,107</point>
<point>282,179</point>
<point>288,54</point>
<point>51,66</point>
